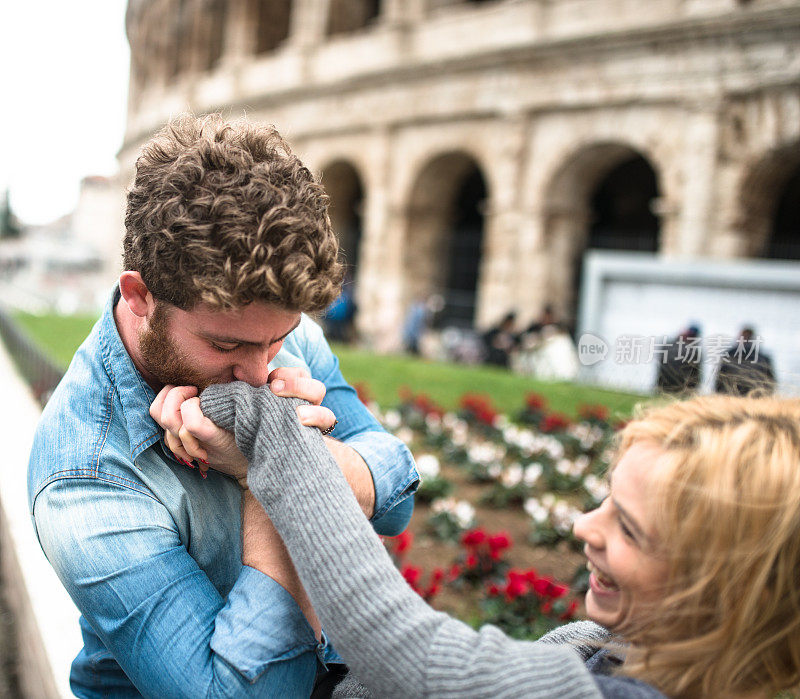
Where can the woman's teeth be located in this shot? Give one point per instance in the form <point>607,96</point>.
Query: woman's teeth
<point>601,579</point>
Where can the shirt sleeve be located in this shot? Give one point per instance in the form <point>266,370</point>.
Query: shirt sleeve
<point>394,473</point>
<point>117,551</point>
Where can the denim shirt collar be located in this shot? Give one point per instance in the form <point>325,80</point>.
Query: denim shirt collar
<point>134,393</point>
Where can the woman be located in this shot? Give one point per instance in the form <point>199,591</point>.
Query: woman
<point>694,559</point>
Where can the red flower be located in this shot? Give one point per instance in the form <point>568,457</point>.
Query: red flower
<point>535,402</point>
<point>362,390</point>
<point>437,576</point>
<point>532,576</point>
<point>557,590</point>
<point>554,422</point>
<point>499,542</point>
<point>515,587</point>
<point>593,412</point>
<point>412,575</point>
<point>473,538</point>
<point>493,590</point>
<point>547,607</point>
<point>570,612</point>
<point>403,541</point>
<point>541,586</point>
<point>471,561</point>
<point>455,571</point>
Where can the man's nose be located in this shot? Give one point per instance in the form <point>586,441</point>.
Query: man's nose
<point>254,371</point>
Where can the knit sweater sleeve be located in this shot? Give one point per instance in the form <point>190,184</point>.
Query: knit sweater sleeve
<point>393,642</point>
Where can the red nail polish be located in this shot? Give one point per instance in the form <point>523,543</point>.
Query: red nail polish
<point>204,474</point>
<point>204,461</point>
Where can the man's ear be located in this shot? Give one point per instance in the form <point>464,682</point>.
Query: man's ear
<point>136,294</point>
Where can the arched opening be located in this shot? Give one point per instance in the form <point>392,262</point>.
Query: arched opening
<point>769,220</point>
<point>601,199</point>
<point>347,16</point>
<point>444,243</point>
<point>273,18</point>
<point>784,240</point>
<point>346,210</point>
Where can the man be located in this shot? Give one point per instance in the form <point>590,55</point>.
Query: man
<point>681,361</point>
<point>745,368</point>
<point>183,585</point>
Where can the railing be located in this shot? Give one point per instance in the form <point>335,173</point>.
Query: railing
<point>41,374</point>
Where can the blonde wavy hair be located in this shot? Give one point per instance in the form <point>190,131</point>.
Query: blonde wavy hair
<point>223,213</point>
<point>727,509</point>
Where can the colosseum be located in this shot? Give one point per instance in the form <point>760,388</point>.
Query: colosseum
<point>479,149</point>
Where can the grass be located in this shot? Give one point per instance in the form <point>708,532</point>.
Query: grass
<point>446,383</point>
<point>59,336</point>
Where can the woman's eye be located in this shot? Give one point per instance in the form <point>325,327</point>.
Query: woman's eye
<point>627,532</point>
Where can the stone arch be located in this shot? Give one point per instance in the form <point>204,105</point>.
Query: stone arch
<point>603,196</point>
<point>272,24</point>
<point>769,205</point>
<point>345,16</point>
<point>345,188</point>
<point>444,241</point>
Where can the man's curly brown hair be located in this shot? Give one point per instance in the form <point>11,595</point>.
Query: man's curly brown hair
<point>223,213</point>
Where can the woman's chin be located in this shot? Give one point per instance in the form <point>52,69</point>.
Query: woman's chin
<point>603,609</point>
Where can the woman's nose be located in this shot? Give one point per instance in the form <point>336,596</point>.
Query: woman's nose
<point>587,528</point>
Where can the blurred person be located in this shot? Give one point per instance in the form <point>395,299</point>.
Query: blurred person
<point>693,559</point>
<point>679,370</point>
<point>501,340</point>
<point>414,325</point>
<point>339,316</point>
<point>745,368</point>
<point>178,574</point>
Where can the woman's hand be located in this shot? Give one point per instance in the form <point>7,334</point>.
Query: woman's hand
<point>190,435</point>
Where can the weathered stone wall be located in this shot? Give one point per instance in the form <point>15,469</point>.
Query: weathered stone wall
<point>543,98</point>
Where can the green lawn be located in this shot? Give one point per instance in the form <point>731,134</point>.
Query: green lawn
<point>446,383</point>
<point>60,336</point>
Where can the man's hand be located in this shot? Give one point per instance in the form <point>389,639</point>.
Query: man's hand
<point>191,435</point>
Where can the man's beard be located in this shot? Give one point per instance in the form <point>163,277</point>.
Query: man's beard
<point>161,358</point>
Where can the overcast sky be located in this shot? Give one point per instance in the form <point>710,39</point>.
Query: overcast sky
<point>63,89</point>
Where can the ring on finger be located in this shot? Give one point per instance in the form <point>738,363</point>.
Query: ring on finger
<point>330,429</point>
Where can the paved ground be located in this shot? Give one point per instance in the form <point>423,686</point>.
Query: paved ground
<point>8,652</point>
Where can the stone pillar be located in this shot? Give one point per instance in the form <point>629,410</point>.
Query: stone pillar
<point>308,23</point>
<point>380,279</point>
<point>499,291</point>
<point>238,39</point>
<point>698,206</point>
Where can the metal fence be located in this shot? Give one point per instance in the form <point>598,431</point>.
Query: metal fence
<point>38,370</point>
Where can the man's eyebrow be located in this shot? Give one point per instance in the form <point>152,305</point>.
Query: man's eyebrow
<point>227,339</point>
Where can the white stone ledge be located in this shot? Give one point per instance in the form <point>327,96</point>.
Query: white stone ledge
<point>46,620</point>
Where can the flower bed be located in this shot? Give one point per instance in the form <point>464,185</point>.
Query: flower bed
<point>492,529</point>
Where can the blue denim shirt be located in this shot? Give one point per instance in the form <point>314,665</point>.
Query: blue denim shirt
<point>152,554</point>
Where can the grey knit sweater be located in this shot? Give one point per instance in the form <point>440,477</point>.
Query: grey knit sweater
<point>392,641</point>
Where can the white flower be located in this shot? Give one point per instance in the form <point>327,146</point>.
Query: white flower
<point>404,434</point>
<point>534,508</point>
<point>464,514</point>
<point>564,467</point>
<point>596,487</point>
<point>443,505</point>
<point>564,516</point>
<point>392,420</point>
<point>500,421</point>
<point>433,423</point>
<point>548,500</point>
<point>512,476</point>
<point>495,470</point>
<point>581,464</point>
<point>532,474</point>
<point>428,466</point>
